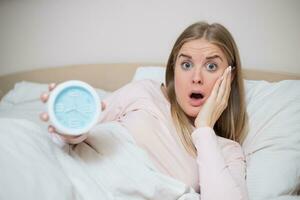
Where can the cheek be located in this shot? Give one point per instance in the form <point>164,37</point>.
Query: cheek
<point>179,85</point>
<point>179,80</point>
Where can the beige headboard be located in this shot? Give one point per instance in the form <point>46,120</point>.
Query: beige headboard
<point>107,76</point>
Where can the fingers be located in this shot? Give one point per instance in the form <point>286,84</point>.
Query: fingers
<point>224,89</point>
<point>51,86</point>
<point>74,139</point>
<point>216,87</point>
<point>51,129</point>
<point>228,85</point>
<point>70,139</point>
<point>45,95</point>
<point>103,105</point>
<point>44,116</point>
<point>222,86</point>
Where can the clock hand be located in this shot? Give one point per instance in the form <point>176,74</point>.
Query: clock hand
<point>70,109</point>
<point>80,112</point>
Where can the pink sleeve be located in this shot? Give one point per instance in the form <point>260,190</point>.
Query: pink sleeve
<point>120,101</point>
<point>221,165</point>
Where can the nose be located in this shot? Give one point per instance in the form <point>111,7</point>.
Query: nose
<point>197,77</point>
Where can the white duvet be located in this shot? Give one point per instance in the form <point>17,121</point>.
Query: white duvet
<point>107,166</point>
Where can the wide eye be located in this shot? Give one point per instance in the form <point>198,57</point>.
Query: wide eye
<point>211,66</point>
<point>186,65</point>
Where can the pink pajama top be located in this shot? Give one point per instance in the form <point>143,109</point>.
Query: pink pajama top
<point>218,171</point>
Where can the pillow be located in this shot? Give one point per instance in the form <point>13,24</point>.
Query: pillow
<point>150,72</point>
<point>26,91</point>
<point>23,102</point>
<point>272,146</point>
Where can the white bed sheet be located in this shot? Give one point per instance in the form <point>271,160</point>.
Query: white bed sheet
<point>108,165</point>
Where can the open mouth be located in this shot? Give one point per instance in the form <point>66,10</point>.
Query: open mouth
<point>196,96</point>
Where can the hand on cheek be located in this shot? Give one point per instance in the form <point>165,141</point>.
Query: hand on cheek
<point>216,102</point>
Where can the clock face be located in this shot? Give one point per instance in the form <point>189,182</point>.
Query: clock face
<point>74,107</point>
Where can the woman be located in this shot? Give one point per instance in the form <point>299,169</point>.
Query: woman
<point>191,126</point>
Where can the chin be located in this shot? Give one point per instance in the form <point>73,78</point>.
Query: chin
<point>192,112</point>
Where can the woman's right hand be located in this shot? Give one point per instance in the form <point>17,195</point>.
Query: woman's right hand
<point>216,102</point>
<point>51,129</point>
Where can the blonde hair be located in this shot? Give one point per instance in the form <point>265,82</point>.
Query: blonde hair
<point>232,124</point>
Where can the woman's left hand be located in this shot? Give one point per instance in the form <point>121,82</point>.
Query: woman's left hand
<point>216,103</point>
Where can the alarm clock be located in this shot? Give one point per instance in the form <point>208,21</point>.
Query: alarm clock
<point>73,107</point>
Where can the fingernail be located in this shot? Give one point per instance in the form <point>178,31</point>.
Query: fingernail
<point>45,116</point>
<point>45,95</point>
<point>229,68</point>
<point>42,115</point>
<point>50,129</point>
<point>51,85</point>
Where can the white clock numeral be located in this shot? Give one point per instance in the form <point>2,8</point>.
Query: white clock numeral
<point>74,94</point>
<point>74,123</point>
<point>59,107</point>
<point>87,108</point>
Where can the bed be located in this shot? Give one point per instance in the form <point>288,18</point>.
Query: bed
<point>272,146</point>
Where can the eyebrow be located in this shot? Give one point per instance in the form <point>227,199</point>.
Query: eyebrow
<point>184,55</point>
<point>213,57</point>
<point>207,58</point>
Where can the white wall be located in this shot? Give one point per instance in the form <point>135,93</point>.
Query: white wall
<point>45,33</point>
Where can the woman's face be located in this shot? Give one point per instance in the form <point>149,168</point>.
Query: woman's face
<point>198,65</point>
